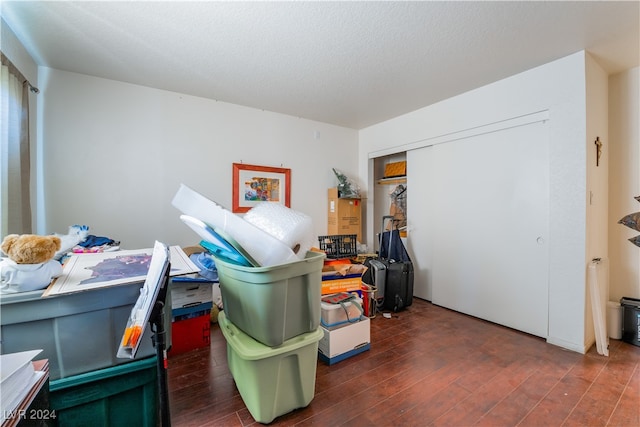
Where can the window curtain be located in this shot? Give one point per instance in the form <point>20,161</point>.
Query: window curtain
<point>15,158</point>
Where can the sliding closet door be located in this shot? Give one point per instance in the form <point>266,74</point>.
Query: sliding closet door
<point>420,225</point>
<point>490,215</point>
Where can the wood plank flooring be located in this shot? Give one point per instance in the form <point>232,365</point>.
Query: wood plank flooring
<point>429,366</point>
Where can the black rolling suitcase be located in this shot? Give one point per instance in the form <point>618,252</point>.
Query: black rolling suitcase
<point>392,272</point>
<point>398,291</point>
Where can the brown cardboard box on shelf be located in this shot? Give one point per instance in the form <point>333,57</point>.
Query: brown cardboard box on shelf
<point>344,216</point>
<point>394,170</point>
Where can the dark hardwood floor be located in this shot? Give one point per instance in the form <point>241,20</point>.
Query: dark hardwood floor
<point>431,366</point>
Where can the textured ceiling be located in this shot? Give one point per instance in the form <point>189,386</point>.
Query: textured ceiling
<point>352,64</point>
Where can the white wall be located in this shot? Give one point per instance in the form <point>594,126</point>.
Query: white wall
<point>559,88</point>
<point>115,154</point>
<point>597,187</point>
<point>624,182</point>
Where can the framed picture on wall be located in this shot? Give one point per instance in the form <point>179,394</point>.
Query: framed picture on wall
<point>254,184</point>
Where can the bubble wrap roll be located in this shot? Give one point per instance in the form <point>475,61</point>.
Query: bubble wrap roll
<point>293,228</point>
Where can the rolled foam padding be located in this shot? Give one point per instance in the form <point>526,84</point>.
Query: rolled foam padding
<point>598,308</point>
<point>293,228</point>
<point>265,249</point>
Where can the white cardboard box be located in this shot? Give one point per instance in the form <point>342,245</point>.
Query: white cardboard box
<point>345,341</point>
<point>184,294</point>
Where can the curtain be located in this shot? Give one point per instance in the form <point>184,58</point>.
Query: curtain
<point>15,198</point>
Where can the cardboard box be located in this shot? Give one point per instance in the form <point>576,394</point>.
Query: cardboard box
<point>345,341</point>
<point>344,216</point>
<point>340,270</point>
<point>185,294</point>
<point>396,169</point>
<point>348,284</point>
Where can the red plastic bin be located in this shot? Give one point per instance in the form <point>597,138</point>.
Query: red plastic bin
<point>189,334</point>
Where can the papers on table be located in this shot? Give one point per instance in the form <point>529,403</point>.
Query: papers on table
<point>83,272</point>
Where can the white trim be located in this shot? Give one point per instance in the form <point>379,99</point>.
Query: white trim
<point>569,345</point>
<point>526,119</point>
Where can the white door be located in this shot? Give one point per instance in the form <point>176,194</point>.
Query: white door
<point>490,210</point>
<point>420,182</point>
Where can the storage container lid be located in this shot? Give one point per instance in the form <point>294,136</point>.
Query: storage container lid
<point>250,349</point>
<point>329,306</point>
<point>311,263</point>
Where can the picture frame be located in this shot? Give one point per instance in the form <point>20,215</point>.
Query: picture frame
<point>253,184</point>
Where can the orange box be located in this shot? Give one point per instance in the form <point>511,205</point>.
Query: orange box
<point>348,284</point>
<point>393,170</point>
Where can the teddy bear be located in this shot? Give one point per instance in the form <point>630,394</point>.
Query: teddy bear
<point>29,264</point>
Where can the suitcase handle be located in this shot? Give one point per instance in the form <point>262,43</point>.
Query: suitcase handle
<point>384,218</point>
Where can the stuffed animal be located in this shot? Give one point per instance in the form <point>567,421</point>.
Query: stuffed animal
<point>77,234</point>
<point>29,265</point>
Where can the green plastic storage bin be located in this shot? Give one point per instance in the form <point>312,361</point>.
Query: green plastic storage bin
<point>272,381</point>
<point>273,304</point>
<point>123,395</point>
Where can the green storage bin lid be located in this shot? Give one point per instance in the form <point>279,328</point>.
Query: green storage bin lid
<point>249,349</point>
<point>312,262</point>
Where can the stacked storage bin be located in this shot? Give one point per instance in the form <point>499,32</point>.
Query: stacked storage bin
<point>345,327</point>
<point>346,330</point>
<point>122,395</point>
<point>191,303</point>
<point>79,334</point>
<point>271,323</point>
<point>340,249</point>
